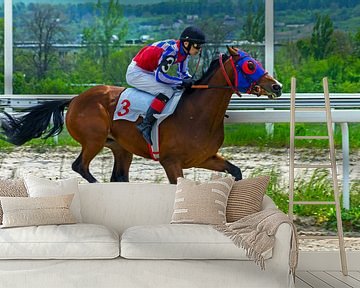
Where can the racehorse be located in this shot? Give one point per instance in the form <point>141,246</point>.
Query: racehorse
<point>190,137</point>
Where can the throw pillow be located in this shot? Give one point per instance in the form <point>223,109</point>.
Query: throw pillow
<point>27,211</point>
<point>11,188</point>
<point>246,197</point>
<point>201,203</point>
<point>41,187</point>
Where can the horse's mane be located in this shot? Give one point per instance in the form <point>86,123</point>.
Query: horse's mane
<point>204,79</point>
<point>211,70</point>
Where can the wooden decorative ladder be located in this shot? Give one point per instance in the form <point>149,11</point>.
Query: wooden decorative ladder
<point>331,165</point>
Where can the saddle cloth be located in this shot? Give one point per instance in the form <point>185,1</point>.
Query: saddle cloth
<point>134,103</point>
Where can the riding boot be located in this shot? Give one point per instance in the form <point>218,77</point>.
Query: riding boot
<point>156,106</point>
<point>145,126</point>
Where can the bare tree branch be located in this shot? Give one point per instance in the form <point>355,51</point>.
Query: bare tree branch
<point>44,25</point>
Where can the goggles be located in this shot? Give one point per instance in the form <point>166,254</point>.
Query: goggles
<point>197,46</point>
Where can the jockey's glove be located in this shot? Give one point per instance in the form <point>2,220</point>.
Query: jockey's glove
<point>187,83</point>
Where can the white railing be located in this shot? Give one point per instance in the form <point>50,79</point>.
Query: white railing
<point>338,101</point>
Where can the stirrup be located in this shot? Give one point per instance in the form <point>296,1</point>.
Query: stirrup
<point>147,135</point>
<point>142,126</point>
<point>145,129</point>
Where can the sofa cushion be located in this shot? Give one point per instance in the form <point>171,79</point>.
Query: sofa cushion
<point>201,203</point>
<point>27,211</point>
<point>11,188</point>
<point>41,187</point>
<point>246,197</point>
<point>181,241</point>
<point>73,241</point>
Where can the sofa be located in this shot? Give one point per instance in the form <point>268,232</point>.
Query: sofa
<point>125,239</point>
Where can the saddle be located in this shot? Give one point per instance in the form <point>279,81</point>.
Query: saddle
<point>133,103</point>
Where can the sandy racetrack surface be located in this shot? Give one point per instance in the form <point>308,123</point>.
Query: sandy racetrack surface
<point>55,163</point>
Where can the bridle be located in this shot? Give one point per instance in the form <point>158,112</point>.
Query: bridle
<point>247,83</point>
<point>235,87</point>
<point>226,76</point>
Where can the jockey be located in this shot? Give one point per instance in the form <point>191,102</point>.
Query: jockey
<point>148,71</point>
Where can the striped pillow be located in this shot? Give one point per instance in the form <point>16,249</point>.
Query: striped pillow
<point>11,188</point>
<point>201,203</point>
<point>30,211</point>
<point>246,197</point>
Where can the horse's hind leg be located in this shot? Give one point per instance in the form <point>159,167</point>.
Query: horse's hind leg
<point>82,163</point>
<point>78,167</point>
<point>122,162</point>
<point>218,163</point>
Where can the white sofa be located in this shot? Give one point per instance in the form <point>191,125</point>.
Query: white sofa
<point>108,210</point>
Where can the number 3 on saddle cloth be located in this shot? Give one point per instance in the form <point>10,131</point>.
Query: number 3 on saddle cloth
<point>134,103</point>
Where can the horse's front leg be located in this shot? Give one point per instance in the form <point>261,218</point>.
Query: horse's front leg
<point>122,161</point>
<point>217,163</point>
<point>173,170</point>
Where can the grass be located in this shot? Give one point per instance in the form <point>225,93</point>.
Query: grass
<point>255,135</point>
<point>64,139</point>
<point>243,135</point>
<point>317,187</point>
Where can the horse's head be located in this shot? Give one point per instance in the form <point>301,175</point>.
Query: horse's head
<point>252,77</point>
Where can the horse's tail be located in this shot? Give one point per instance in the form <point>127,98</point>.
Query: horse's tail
<point>35,123</point>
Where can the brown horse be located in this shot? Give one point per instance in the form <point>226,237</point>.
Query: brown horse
<point>189,138</point>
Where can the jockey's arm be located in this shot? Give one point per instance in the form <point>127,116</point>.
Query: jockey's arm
<point>183,69</point>
<point>161,73</point>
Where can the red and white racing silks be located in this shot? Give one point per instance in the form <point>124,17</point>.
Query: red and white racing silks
<point>160,56</point>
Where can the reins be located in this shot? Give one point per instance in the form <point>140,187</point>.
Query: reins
<point>226,76</point>
<point>197,64</point>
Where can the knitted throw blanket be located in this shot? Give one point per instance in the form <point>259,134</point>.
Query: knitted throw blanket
<point>256,234</point>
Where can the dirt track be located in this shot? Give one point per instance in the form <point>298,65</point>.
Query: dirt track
<point>55,163</point>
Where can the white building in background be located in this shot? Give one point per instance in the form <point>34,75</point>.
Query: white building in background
<point>145,38</point>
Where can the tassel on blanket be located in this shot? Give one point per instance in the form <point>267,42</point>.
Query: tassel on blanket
<point>256,234</point>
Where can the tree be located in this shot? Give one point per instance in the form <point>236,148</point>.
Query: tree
<point>216,33</point>
<point>304,47</point>
<point>321,38</point>
<point>108,29</point>
<point>254,27</point>
<point>2,56</point>
<point>44,27</point>
<point>342,43</point>
<point>356,41</point>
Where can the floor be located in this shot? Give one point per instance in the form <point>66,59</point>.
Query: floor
<point>327,279</point>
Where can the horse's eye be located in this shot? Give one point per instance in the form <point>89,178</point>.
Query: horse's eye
<point>249,67</point>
